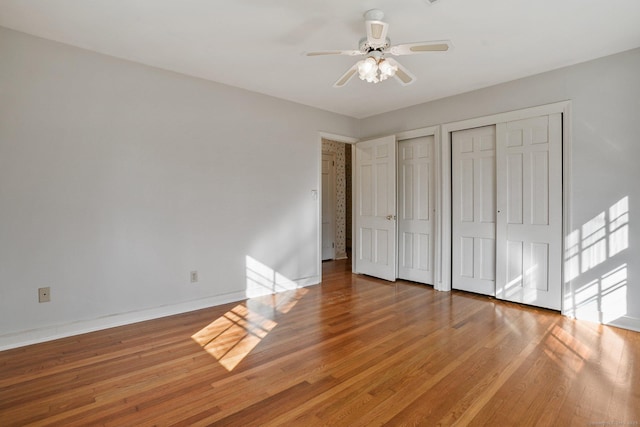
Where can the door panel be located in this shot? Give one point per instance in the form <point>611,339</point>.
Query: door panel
<point>375,208</point>
<point>529,226</point>
<point>416,209</point>
<point>473,209</point>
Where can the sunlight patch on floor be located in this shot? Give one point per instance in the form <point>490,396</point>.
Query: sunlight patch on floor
<point>566,350</point>
<point>232,336</point>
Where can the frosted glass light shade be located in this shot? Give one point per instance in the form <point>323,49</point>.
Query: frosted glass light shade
<point>386,69</point>
<point>367,66</point>
<point>375,69</point>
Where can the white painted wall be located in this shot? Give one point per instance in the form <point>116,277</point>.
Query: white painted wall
<point>605,170</point>
<point>117,180</point>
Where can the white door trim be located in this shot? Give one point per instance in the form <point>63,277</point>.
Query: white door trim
<point>444,177</point>
<point>317,192</point>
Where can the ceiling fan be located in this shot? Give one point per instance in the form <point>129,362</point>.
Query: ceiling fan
<point>376,66</point>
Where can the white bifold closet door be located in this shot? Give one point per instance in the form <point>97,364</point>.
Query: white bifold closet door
<point>507,210</point>
<point>529,226</point>
<point>474,210</point>
<point>416,209</point>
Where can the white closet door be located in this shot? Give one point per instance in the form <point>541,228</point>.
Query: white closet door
<point>473,209</point>
<point>529,200</point>
<point>375,206</point>
<point>416,209</point>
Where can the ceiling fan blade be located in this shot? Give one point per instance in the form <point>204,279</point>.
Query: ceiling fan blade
<point>347,76</point>
<point>403,75</point>
<point>420,47</point>
<point>377,33</point>
<point>335,52</point>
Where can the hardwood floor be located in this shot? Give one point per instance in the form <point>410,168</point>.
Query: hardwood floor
<point>352,351</point>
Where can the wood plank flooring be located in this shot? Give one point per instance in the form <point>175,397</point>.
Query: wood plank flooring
<point>354,351</point>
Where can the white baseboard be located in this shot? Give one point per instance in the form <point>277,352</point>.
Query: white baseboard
<point>49,333</point>
<point>308,281</point>
<point>627,322</point>
<point>595,316</point>
<point>341,255</point>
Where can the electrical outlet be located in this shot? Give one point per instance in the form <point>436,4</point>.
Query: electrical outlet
<point>194,276</point>
<point>44,294</point>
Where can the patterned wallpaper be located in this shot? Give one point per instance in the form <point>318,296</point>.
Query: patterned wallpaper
<point>337,148</point>
<point>347,171</point>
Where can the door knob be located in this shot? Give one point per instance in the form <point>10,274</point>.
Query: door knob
<point>390,217</point>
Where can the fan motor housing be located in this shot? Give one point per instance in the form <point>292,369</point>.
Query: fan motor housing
<point>365,47</point>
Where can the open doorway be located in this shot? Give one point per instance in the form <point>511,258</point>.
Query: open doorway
<point>336,200</point>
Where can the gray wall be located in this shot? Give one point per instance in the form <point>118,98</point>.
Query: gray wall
<point>603,241</point>
<point>117,180</point>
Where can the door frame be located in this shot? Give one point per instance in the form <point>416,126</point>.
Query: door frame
<point>317,193</point>
<point>444,178</point>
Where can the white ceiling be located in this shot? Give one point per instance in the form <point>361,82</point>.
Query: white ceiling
<point>258,44</point>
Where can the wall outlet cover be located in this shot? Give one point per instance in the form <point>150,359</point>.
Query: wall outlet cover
<point>44,294</point>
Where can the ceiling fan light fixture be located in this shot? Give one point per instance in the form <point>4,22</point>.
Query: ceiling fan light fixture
<point>375,67</point>
<point>367,66</point>
<point>368,70</point>
<point>371,77</point>
<point>386,69</point>
<point>374,70</point>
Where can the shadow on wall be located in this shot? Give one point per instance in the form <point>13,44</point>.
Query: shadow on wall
<point>595,275</point>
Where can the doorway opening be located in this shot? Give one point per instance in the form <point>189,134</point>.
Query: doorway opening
<point>336,200</point>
